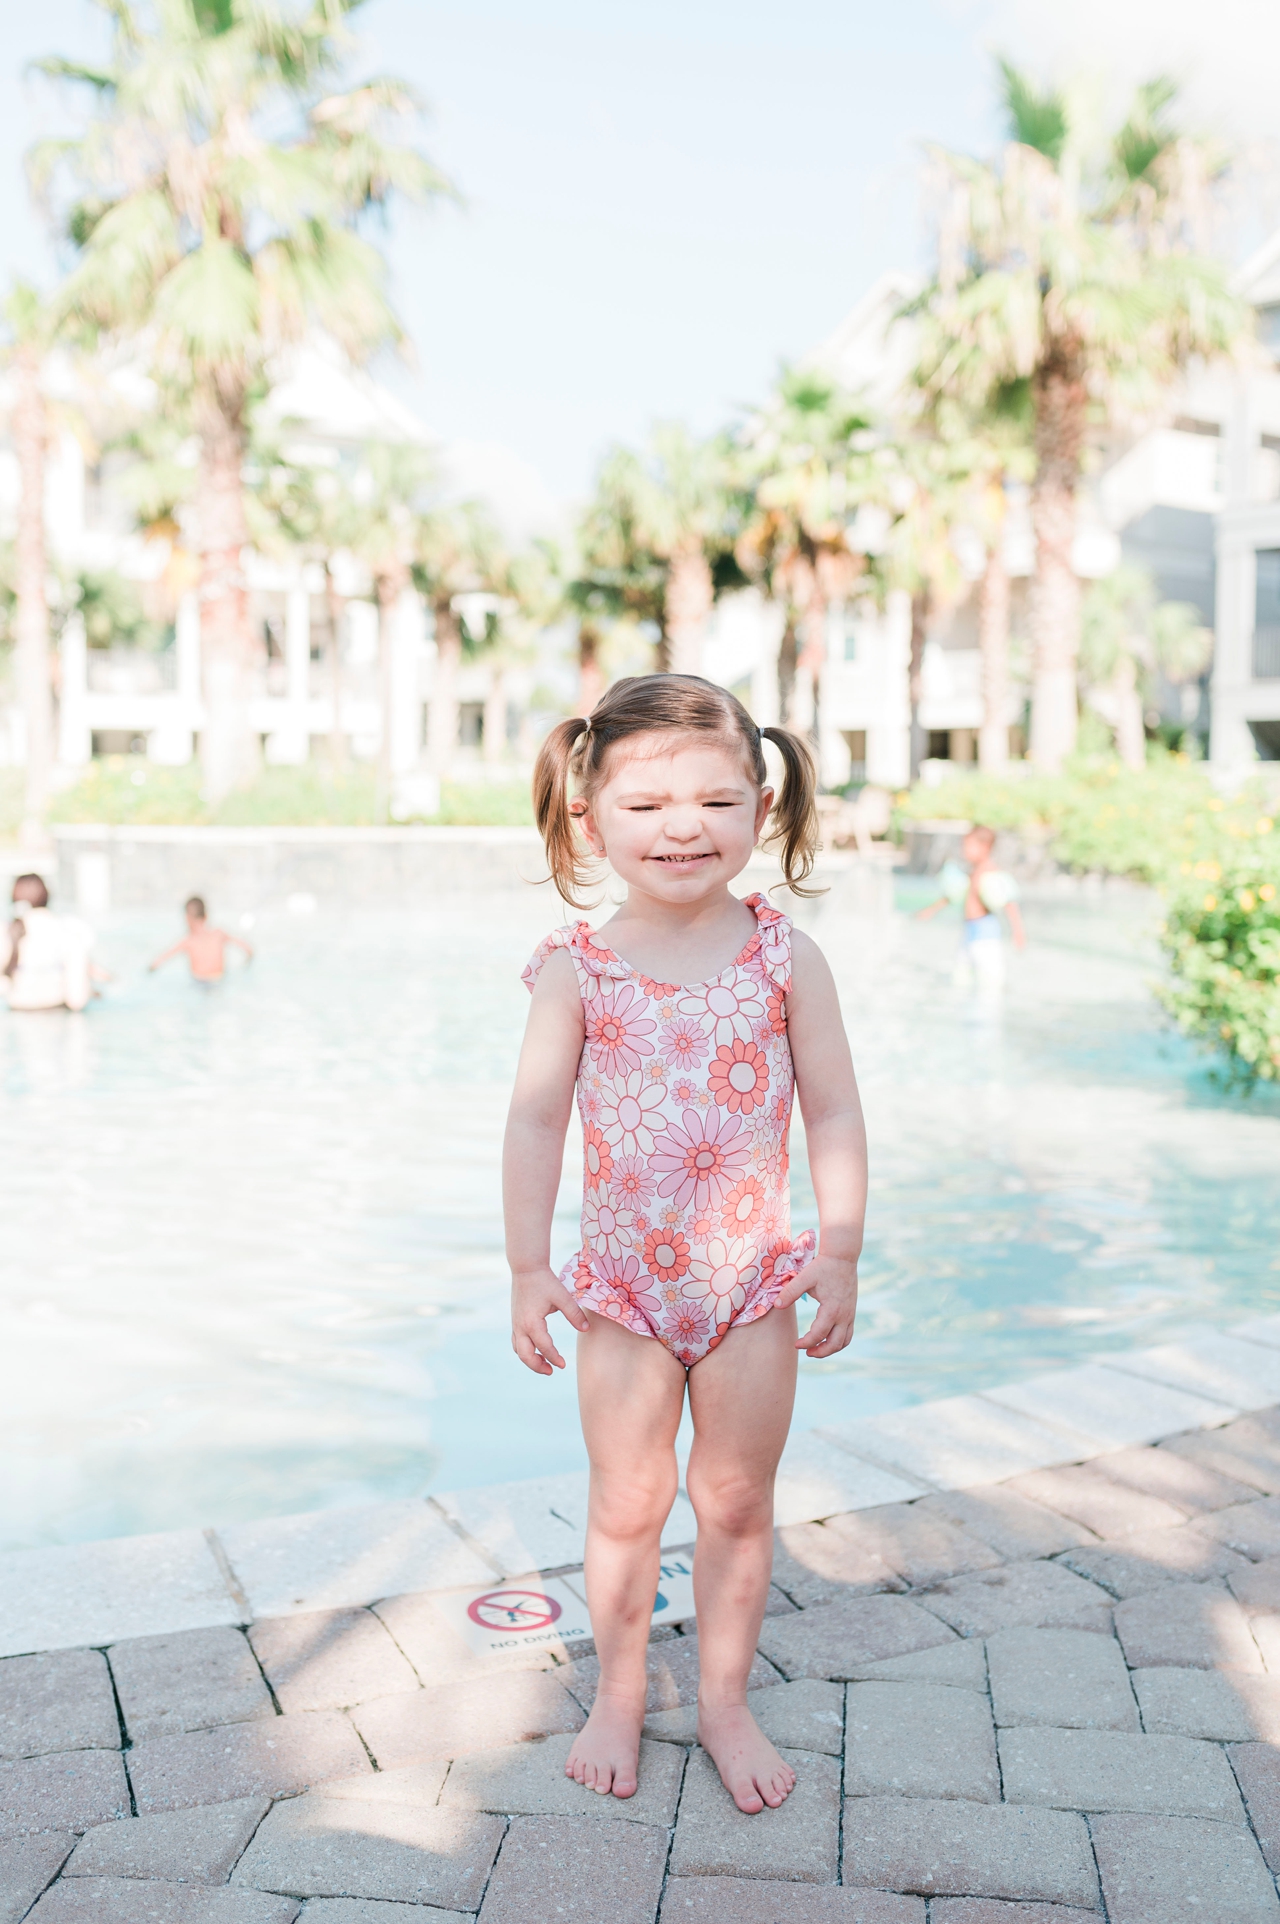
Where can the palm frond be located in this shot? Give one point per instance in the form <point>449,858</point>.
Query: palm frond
<point>1036,120</point>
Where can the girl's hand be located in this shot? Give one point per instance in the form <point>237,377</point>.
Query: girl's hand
<point>833,1283</point>
<point>535,1295</point>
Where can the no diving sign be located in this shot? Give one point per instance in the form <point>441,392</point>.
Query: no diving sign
<point>512,1616</point>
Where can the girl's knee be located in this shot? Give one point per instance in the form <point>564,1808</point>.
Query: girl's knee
<point>732,1503</point>
<point>629,1509</point>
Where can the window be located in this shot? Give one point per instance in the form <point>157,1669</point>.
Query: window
<point>939,746</point>
<point>1266,616</point>
<point>1269,328</point>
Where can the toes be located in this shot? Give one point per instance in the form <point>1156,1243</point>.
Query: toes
<point>624,1786</point>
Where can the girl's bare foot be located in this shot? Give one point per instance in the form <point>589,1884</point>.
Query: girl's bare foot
<point>606,1752</point>
<point>751,1770</point>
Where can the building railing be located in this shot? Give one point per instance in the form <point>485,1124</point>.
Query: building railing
<point>132,671</point>
<point>1266,654</point>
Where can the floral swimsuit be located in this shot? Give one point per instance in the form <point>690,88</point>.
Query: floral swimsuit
<point>685,1094</point>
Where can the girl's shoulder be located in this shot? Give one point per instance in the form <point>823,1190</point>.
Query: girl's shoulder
<point>771,946</point>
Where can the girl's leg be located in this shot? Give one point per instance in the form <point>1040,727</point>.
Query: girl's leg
<point>630,1393</point>
<point>740,1397</point>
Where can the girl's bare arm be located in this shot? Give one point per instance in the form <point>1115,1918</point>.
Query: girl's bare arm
<point>837,1143</point>
<point>532,1157</point>
<point>167,956</point>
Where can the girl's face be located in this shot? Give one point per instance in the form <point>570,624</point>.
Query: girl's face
<point>676,816</point>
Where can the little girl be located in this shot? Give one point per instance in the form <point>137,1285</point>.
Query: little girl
<point>683,1037</point>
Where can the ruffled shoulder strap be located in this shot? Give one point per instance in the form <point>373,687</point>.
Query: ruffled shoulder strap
<point>773,930</point>
<point>591,963</point>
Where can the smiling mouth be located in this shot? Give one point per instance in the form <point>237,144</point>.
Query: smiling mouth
<point>684,861</point>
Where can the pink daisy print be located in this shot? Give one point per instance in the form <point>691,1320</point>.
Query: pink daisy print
<point>627,1283</point>
<point>685,1042</point>
<point>633,1183</point>
<point>742,1206</point>
<point>728,1006</point>
<point>685,1325</point>
<point>775,1008</point>
<point>607,1229</point>
<point>618,1030</point>
<point>739,1077</point>
<point>631,1117</point>
<point>684,1092</point>
<point>726,1272</point>
<point>658,991</point>
<point>700,1158</point>
<point>666,1254</point>
<point>596,1161</point>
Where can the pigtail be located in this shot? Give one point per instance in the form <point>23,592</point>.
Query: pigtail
<point>565,857</point>
<point>794,816</point>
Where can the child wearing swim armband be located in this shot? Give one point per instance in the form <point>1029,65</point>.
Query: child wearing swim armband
<point>980,890</point>
<point>683,1026</point>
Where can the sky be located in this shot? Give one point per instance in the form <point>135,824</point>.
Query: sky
<point>662,204</point>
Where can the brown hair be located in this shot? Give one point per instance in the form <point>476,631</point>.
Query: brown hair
<point>575,752</point>
<point>196,903</point>
<point>29,891</point>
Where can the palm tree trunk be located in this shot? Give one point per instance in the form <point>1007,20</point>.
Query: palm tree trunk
<point>590,669</point>
<point>229,753</point>
<point>389,587</point>
<point>30,433</point>
<point>1060,399</point>
<point>442,715</point>
<point>337,610</point>
<point>993,645</point>
<point>788,651</point>
<point>689,599</point>
<point>915,676</point>
<point>1131,736</point>
<point>494,739</point>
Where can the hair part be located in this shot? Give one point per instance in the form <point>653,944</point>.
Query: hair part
<point>571,764</point>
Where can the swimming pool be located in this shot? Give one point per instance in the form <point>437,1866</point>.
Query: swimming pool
<point>253,1249</point>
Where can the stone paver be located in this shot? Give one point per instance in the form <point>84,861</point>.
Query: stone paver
<point>1256,1586</point>
<point>1209,1362</point>
<point>962,1664</point>
<point>921,1547</point>
<point>752,1900</point>
<point>1111,1770</point>
<point>122,1900</point>
<point>813,1563</point>
<point>1244,1450</point>
<point>177,1846</point>
<point>919,1740</point>
<point>189,1681</point>
<point>1193,1626</point>
<point>1257,1769</point>
<point>1086,1495</point>
<point>272,1759</point>
<point>487,1714</point>
<point>319,1846</point>
<point>1252,1528</point>
<point>806,1715</point>
<point>61,1701</point>
<point>419,1784</point>
<point>529,1780</point>
<point>1012,1524</point>
<point>1227,1706</point>
<point>1041,1596</point>
<point>1072,1679</point>
<point>73,1594</point>
<point>327,1659</point>
<point>70,1791</point>
<point>998,1910</point>
<point>579,1868</point>
<point>370,1910</point>
<point>832,1640</point>
<point>797,1843</point>
<point>957,1849</point>
<point>1189,1486</point>
<point>339,1559</point>
<point>673,1671</point>
<point>1145,1559</point>
<point>27,1864</point>
<point>958,1441</point>
<point>822,1474</point>
<point>1174,1870</point>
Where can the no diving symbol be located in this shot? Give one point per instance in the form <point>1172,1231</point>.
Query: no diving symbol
<point>513,1610</point>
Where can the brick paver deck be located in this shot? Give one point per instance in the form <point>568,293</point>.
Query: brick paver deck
<point>1038,1699</point>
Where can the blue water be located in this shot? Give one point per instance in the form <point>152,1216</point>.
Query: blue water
<point>253,1250</point>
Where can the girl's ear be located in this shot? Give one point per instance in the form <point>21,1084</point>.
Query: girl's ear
<point>762,809</point>
<point>585,823</point>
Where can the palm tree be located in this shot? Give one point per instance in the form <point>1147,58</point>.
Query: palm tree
<point>29,331</point>
<point>213,238</point>
<point>810,460</point>
<point>1128,634</point>
<point>456,553</point>
<point>1079,271</point>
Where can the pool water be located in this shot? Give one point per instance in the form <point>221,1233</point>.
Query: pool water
<point>253,1253</point>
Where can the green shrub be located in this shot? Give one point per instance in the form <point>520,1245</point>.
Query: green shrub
<point>1222,938</point>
